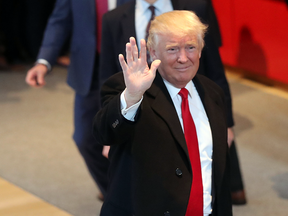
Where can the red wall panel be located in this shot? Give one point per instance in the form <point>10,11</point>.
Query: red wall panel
<point>255,36</point>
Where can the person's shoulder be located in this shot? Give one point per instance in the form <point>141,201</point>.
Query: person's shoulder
<point>193,3</point>
<point>208,88</point>
<point>115,80</point>
<point>198,6</point>
<point>208,84</point>
<point>116,76</point>
<point>118,12</point>
<point>113,85</point>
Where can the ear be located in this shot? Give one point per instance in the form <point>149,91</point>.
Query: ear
<point>200,54</point>
<point>153,53</point>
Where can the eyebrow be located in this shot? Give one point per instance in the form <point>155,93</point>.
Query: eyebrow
<point>189,43</point>
<point>171,45</point>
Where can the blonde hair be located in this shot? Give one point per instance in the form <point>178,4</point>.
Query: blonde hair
<point>177,22</point>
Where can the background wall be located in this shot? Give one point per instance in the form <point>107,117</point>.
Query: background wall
<point>255,36</point>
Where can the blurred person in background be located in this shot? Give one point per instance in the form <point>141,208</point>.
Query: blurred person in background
<point>82,21</point>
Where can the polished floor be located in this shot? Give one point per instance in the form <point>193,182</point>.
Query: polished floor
<point>39,161</point>
<point>14,201</point>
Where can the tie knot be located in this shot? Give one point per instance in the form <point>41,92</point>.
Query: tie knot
<point>152,9</point>
<point>183,93</point>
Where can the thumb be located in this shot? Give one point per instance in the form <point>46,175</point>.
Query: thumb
<point>40,79</point>
<point>154,66</point>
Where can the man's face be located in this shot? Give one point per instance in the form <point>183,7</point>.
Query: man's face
<point>179,58</point>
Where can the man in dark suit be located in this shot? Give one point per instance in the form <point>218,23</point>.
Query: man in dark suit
<point>123,22</point>
<point>143,119</point>
<point>80,19</point>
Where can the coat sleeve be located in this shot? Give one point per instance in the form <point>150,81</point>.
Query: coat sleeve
<point>211,64</point>
<point>214,70</point>
<point>57,30</point>
<point>108,58</point>
<point>109,125</point>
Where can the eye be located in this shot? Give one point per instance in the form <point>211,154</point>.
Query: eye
<point>189,48</point>
<point>172,49</point>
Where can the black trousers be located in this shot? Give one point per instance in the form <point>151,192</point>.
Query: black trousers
<point>85,108</point>
<point>236,177</point>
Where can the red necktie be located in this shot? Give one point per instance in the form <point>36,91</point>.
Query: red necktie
<point>101,8</point>
<point>195,204</point>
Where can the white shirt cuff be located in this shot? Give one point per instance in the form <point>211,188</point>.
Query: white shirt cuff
<point>129,113</point>
<point>44,62</point>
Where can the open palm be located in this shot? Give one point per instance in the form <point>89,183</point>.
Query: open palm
<point>137,75</point>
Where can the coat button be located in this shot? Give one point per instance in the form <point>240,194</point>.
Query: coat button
<point>167,213</point>
<point>178,172</point>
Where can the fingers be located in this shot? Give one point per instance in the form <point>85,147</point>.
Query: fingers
<point>30,80</point>
<point>131,51</point>
<point>122,62</point>
<point>105,151</point>
<point>230,136</point>
<point>132,55</point>
<point>35,76</point>
<point>143,51</point>
<point>40,81</point>
<point>134,48</point>
<point>129,56</point>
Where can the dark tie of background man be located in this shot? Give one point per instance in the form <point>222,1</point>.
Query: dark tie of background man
<point>195,204</point>
<point>152,9</point>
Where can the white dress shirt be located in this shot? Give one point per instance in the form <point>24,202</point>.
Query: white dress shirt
<point>112,4</point>
<point>203,130</point>
<point>143,15</point>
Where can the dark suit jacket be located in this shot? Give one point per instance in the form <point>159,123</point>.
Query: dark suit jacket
<point>79,19</point>
<point>214,26</point>
<point>156,147</point>
<point>119,24</point>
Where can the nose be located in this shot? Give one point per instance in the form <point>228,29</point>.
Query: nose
<point>182,58</point>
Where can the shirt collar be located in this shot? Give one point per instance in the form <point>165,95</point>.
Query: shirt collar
<point>159,4</point>
<point>173,91</point>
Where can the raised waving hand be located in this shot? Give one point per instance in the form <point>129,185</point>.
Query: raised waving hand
<point>137,74</point>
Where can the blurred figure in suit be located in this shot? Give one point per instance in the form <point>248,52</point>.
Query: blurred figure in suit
<point>81,20</point>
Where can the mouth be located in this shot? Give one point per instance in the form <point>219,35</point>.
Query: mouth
<point>183,68</point>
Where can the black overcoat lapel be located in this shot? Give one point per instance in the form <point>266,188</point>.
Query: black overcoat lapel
<point>164,107</point>
<point>218,127</point>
